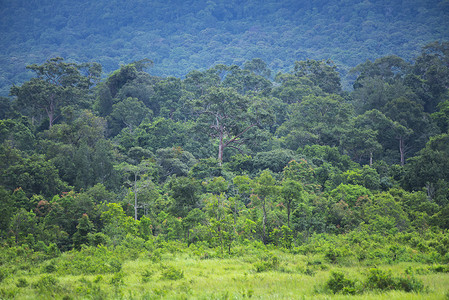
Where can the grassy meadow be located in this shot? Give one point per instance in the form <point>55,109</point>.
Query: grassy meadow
<point>194,273</point>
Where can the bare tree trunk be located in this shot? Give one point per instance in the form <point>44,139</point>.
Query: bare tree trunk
<point>263,222</point>
<point>402,150</point>
<point>220,149</point>
<point>51,113</point>
<point>371,159</point>
<point>135,196</point>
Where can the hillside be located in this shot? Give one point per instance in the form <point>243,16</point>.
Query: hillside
<point>180,36</point>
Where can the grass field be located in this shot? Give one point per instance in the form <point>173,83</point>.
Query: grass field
<point>183,275</point>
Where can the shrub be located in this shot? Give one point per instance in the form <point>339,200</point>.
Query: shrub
<point>46,283</point>
<point>117,278</point>
<point>146,275</point>
<point>380,280</point>
<point>98,238</point>
<point>40,246</point>
<point>21,283</point>
<point>155,255</point>
<point>337,283</point>
<point>268,262</point>
<point>171,273</point>
<point>384,281</point>
<point>89,260</point>
<point>49,268</point>
<point>440,269</point>
<point>3,274</point>
<point>409,284</point>
<point>53,250</point>
<point>332,254</point>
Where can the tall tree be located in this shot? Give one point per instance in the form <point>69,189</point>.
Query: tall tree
<point>319,120</point>
<point>228,115</point>
<point>264,188</point>
<point>430,77</point>
<point>57,84</point>
<point>138,174</point>
<point>291,192</point>
<point>322,73</point>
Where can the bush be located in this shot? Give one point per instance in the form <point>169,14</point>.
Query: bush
<point>380,280</point>
<point>268,262</point>
<point>384,281</point>
<point>332,254</point>
<point>49,268</point>
<point>155,255</point>
<point>409,284</point>
<point>3,274</point>
<point>86,289</point>
<point>90,260</point>
<point>171,273</point>
<point>21,283</point>
<point>98,238</point>
<point>440,269</point>
<point>146,275</point>
<point>46,283</point>
<point>337,283</point>
<point>53,250</point>
<point>117,278</point>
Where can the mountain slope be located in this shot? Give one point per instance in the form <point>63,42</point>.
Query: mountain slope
<point>180,36</point>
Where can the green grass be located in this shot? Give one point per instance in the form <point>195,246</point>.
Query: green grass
<point>186,276</point>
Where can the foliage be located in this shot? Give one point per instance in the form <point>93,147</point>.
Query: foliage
<point>381,280</point>
<point>337,283</point>
<point>127,174</point>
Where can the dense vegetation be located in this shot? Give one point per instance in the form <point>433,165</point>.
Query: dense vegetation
<point>140,186</point>
<point>181,36</point>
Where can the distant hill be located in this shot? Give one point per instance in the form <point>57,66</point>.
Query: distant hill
<point>180,36</point>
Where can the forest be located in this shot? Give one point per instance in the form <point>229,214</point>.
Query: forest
<point>185,35</point>
<point>232,182</point>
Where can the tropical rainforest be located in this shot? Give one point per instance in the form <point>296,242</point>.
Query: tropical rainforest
<point>181,36</point>
<point>237,180</point>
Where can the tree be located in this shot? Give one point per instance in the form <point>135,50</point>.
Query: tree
<point>291,191</point>
<point>441,116</point>
<point>198,83</point>
<point>410,115</point>
<point>293,89</point>
<point>430,165</point>
<point>81,236</point>
<point>34,174</point>
<point>185,194</point>
<point>322,73</point>
<point>275,160</point>
<point>388,69</point>
<point>229,115</point>
<point>129,113</point>
<point>245,81</point>
<point>389,132</point>
<point>6,210</point>
<point>57,84</point>
<point>79,150</point>
<point>167,98</point>
<point>117,224</point>
<point>23,226</point>
<point>138,172</point>
<point>430,78</point>
<point>258,67</point>
<point>174,161</point>
<point>316,120</point>
<point>264,187</point>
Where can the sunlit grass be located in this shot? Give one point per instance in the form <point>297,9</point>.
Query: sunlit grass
<point>295,277</point>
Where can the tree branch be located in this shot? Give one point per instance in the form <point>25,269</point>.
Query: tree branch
<point>238,135</point>
<point>238,149</point>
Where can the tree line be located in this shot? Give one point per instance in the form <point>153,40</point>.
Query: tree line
<point>225,155</point>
